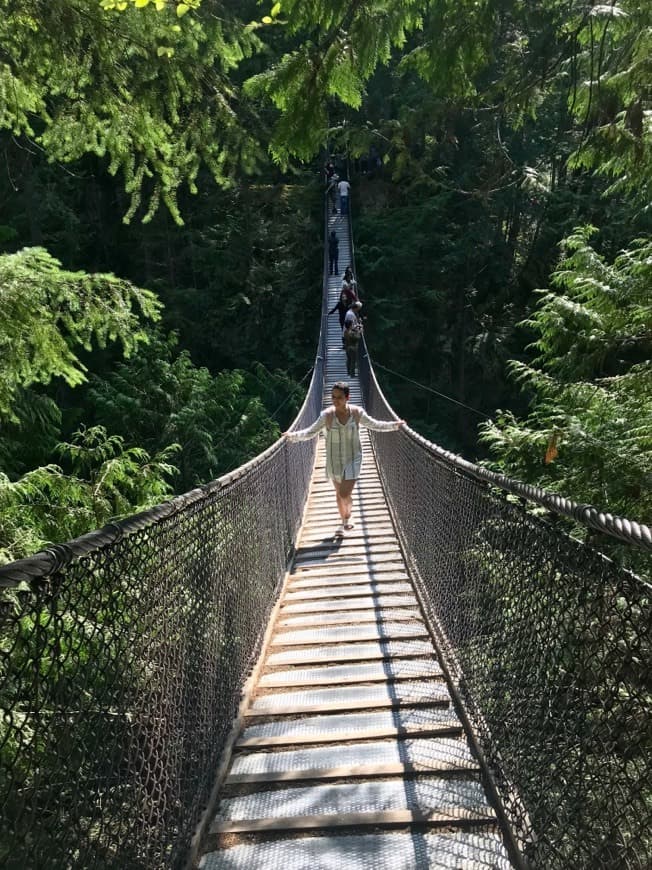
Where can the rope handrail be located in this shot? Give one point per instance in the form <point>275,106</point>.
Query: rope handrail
<point>621,528</point>
<point>53,558</point>
<point>119,679</point>
<point>57,556</point>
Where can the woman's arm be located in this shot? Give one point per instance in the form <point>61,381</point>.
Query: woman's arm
<point>310,432</point>
<point>379,425</point>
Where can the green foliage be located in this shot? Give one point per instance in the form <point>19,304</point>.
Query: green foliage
<point>457,45</point>
<point>49,314</point>
<point>134,86</point>
<point>105,481</point>
<point>600,320</point>
<point>159,397</point>
<point>346,42</point>
<point>589,432</point>
<point>246,266</point>
<point>611,95</point>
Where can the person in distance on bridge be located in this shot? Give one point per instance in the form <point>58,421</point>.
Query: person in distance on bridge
<point>346,299</point>
<point>349,283</point>
<point>333,253</point>
<point>342,423</point>
<point>351,335</point>
<point>343,189</point>
<point>331,192</point>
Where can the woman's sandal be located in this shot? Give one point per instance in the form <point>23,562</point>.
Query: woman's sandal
<point>349,525</point>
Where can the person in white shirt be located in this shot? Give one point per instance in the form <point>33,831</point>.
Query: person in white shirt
<point>343,189</point>
<point>343,448</point>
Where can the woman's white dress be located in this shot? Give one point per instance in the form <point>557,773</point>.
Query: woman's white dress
<point>343,447</point>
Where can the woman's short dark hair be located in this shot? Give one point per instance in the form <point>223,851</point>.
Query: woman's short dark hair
<point>343,386</point>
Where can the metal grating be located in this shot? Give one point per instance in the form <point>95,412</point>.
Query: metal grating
<point>422,753</point>
<point>346,723</point>
<point>394,851</point>
<point>355,651</point>
<point>401,668</point>
<point>377,600</point>
<point>374,615</point>
<point>423,794</point>
<point>399,692</point>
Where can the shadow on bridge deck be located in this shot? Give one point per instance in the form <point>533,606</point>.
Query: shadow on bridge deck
<point>351,754</point>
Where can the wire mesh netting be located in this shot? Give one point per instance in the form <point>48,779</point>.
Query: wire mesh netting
<point>122,660</point>
<point>548,643</point>
<point>123,655</point>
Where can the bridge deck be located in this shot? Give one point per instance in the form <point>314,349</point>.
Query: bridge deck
<point>351,755</point>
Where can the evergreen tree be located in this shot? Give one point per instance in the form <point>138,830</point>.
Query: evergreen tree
<point>106,480</point>
<point>589,431</point>
<point>50,314</point>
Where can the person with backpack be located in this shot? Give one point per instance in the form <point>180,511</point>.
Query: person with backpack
<point>343,448</point>
<point>351,335</point>
<point>345,300</point>
<point>333,252</point>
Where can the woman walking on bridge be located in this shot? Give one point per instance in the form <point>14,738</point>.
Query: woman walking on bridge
<point>343,448</point>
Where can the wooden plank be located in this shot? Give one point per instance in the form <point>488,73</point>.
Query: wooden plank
<point>331,619</point>
<point>304,657</point>
<point>363,513</point>
<point>348,706</point>
<point>350,680</point>
<point>329,593</point>
<point>373,601</point>
<point>329,552</point>
<point>325,535</point>
<point>364,635</point>
<point>385,819</point>
<point>323,737</point>
<point>353,561</point>
<point>333,576</point>
<point>353,540</point>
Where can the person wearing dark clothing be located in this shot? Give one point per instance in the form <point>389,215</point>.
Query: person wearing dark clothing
<point>333,253</point>
<point>350,284</point>
<point>346,300</point>
<point>331,193</point>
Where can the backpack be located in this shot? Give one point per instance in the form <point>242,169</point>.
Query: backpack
<point>352,326</point>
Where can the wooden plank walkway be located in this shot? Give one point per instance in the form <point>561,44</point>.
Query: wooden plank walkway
<point>351,754</point>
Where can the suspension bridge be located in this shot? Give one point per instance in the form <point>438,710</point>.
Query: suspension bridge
<point>219,682</point>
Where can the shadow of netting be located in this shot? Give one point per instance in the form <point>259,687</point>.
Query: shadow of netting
<point>548,643</point>
<point>120,676</point>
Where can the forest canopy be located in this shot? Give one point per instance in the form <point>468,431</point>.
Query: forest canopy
<point>162,217</point>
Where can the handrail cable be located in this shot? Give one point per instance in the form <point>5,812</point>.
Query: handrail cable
<point>431,390</point>
<point>618,527</point>
<point>158,619</point>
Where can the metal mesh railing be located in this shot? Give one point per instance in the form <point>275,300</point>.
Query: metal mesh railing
<point>547,642</point>
<point>123,655</point>
<point>122,659</point>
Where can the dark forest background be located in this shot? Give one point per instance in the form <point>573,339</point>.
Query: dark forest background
<point>161,239</point>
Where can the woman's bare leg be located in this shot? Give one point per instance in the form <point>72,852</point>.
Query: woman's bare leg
<point>343,494</point>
